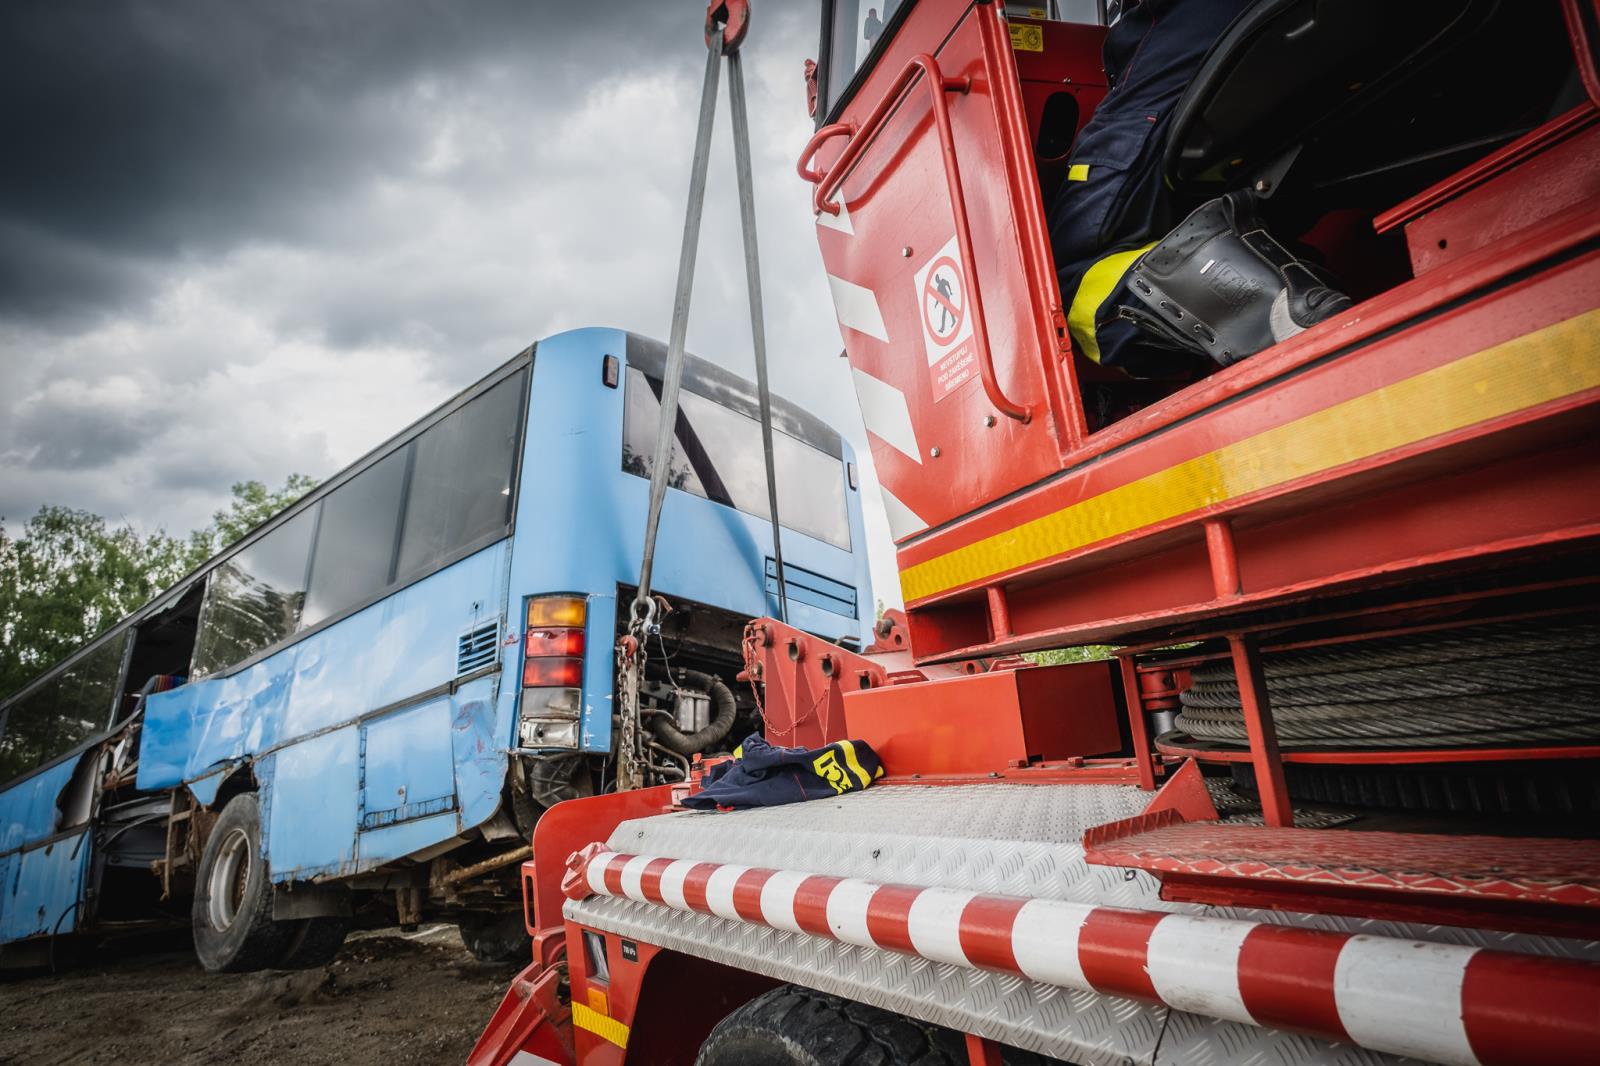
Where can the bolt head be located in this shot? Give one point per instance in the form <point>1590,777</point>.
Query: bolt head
<point>935,452</point>
<point>988,421</point>
<point>905,252</point>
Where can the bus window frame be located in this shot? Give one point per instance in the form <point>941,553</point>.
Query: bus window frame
<point>523,361</point>
<point>405,439</point>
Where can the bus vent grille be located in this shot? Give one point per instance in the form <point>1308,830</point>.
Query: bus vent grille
<point>478,648</point>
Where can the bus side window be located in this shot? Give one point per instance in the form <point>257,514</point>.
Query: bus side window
<point>62,713</point>
<point>461,479</point>
<point>354,558</point>
<point>253,600</point>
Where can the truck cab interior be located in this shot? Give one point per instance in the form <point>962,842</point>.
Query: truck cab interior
<point>1344,118</point>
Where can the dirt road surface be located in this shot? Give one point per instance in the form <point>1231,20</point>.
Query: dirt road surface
<point>389,997</point>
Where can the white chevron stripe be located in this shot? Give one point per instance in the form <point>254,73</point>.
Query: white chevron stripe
<point>903,521</point>
<point>840,222</point>
<point>857,308</point>
<point>886,414</point>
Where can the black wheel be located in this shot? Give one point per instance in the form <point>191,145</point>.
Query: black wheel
<point>496,937</point>
<point>232,913</point>
<point>793,1026</point>
<point>314,943</point>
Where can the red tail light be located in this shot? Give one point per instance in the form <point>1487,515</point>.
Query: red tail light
<point>543,642</point>
<point>552,673</point>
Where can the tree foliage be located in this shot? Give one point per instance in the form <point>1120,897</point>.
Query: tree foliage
<point>68,574</point>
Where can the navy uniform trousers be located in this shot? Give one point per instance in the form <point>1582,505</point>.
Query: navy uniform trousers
<point>1114,204</point>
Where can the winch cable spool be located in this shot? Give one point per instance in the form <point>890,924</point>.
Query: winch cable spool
<point>1485,686</point>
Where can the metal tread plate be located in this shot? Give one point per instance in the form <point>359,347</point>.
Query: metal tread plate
<point>1008,839</point>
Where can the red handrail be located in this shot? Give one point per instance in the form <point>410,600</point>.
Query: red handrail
<point>827,184</point>
<point>837,129</point>
<point>1582,47</point>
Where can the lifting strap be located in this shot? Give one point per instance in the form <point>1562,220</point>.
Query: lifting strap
<point>633,763</point>
<point>643,604</point>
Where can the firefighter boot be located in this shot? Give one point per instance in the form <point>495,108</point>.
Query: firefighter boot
<point>1220,285</point>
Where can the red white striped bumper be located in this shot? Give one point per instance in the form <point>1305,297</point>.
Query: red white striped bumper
<point>1437,1002</point>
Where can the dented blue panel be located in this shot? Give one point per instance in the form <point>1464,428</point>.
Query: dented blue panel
<point>28,810</point>
<point>391,842</point>
<point>390,652</point>
<point>407,765</point>
<point>46,890</point>
<point>313,807</point>
<point>480,759</point>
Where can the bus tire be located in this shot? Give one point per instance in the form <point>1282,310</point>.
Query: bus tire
<point>794,1026</point>
<point>314,943</point>
<point>497,937</point>
<point>232,914</point>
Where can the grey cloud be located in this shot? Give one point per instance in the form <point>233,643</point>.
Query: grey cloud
<point>294,226</point>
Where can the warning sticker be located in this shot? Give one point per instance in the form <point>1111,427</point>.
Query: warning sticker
<point>1028,38</point>
<point>946,325</point>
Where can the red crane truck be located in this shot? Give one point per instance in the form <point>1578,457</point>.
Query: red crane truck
<point>1333,796</point>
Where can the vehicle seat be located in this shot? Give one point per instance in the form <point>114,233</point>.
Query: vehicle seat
<point>1352,89</point>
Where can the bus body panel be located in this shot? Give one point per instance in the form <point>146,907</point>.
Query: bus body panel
<point>28,811</point>
<point>41,883</point>
<point>574,489</point>
<point>47,888</point>
<point>389,655</point>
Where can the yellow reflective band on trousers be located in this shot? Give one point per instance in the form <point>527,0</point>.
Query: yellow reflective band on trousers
<point>1549,364</point>
<point>607,1029</point>
<point>1098,281</point>
<point>854,763</point>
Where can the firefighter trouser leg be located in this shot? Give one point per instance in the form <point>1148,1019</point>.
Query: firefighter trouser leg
<point>1114,200</point>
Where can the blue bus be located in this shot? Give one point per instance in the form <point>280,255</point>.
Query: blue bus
<point>355,714</point>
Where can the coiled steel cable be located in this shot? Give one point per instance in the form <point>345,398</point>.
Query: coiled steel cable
<point>1501,683</point>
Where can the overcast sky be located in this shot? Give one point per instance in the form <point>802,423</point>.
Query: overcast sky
<point>239,240</point>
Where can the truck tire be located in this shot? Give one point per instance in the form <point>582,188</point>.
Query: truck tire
<point>793,1026</point>
<point>314,943</point>
<point>232,913</point>
<point>496,937</point>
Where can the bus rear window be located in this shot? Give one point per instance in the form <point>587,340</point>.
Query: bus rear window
<point>716,454</point>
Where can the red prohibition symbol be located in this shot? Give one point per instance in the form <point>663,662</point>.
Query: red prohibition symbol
<point>940,300</point>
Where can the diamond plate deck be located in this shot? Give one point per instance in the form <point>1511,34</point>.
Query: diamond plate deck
<point>1021,840</point>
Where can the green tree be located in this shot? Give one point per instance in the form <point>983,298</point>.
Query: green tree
<point>253,503</point>
<point>68,574</point>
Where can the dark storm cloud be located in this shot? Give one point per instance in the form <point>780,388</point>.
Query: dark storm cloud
<point>243,238</point>
<point>144,131</point>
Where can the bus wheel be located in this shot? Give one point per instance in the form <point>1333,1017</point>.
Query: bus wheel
<point>232,914</point>
<point>793,1026</point>
<point>498,937</point>
<point>314,943</point>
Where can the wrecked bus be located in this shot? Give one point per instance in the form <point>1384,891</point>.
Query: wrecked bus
<point>355,714</point>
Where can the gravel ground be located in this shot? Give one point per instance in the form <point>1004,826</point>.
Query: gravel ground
<point>389,997</point>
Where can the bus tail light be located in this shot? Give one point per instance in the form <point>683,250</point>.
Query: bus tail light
<point>552,672</point>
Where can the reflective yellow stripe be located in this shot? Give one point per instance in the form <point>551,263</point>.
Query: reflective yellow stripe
<point>854,763</point>
<point>1098,281</point>
<point>607,1029</point>
<point>1078,172</point>
<point>1558,361</point>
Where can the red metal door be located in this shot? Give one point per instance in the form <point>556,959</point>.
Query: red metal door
<point>934,245</point>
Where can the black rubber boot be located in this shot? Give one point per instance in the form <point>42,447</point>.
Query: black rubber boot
<point>1220,285</point>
